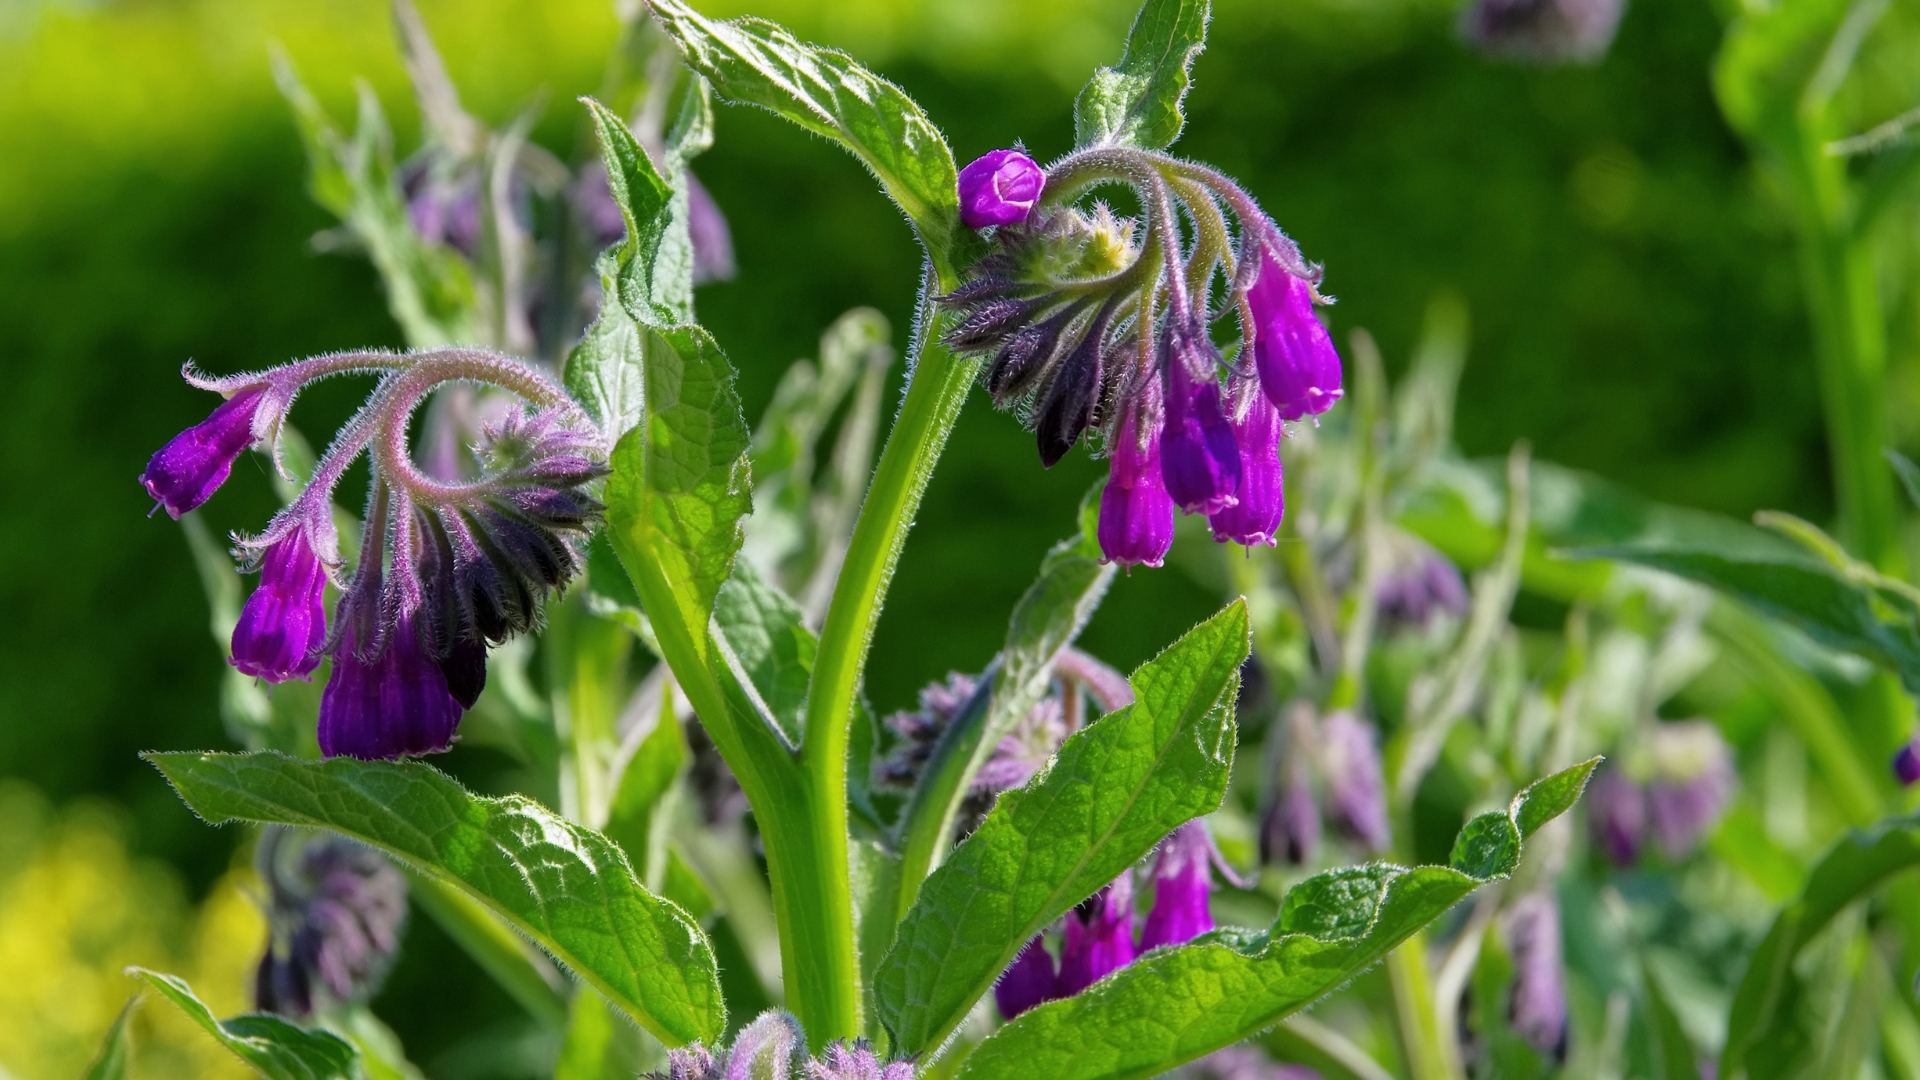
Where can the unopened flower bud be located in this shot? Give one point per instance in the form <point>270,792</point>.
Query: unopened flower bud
<point>191,467</point>
<point>284,623</point>
<point>770,1048</point>
<point>1182,888</point>
<point>856,1062</point>
<point>999,188</point>
<point>1299,367</point>
<point>1098,937</point>
<point>1028,981</point>
<point>1906,762</point>
<point>1538,1009</point>
<point>692,1062</point>
<point>336,909</point>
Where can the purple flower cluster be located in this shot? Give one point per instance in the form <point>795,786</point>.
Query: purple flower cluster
<point>1339,755</point>
<point>1089,330</point>
<point>446,568</point>
<point>1691,782</point>
<point>1537,1010</point>
<point>774,1048</point>
<point>335,910</point>
<point>1097,938</point>
<point>1542,31</point>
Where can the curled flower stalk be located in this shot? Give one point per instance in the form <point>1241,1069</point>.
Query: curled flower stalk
<point>446,569</point>
<point>1101,327</point>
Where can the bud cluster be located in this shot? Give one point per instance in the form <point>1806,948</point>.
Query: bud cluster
<point>1097,325</point>
<point>335,912</point>
<point>446,568</point>
<point>773,1047</point>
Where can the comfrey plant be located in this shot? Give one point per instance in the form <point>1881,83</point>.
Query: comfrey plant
<point>584,558</point>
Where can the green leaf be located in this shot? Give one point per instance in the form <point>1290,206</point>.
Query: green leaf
<point>771,645</point>
<point>1115,788</point>
<point>1137,102</point>
<point>1859,863</point>
<point>756,62</point>
<point>278,1049</point>
<point>1673,1051</point>
<point>679,489</point>
<point>111,1062</point>
<point>568,888</point>
<point>1908,472</point>
<point>1869,618</point>
<point>1073,579</point>
<point>637,820</point>
<point>1174,1005</point>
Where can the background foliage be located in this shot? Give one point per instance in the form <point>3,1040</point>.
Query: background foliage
<point>1632,288</point>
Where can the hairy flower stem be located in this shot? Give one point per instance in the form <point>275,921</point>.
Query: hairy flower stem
<point>935,394</point>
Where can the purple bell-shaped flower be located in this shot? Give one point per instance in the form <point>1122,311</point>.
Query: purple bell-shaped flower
<point>1299,367</point>
<point>1617,814</point>
<point>1098,938</point>
<point>999,188</point>
<point>1182,887</point>
<point>191,467</point>
<point>1260,499</point>
<point>1198,457</point>
<point>284,623</point>
<point>388,702</point>
<point>1136,513</point>
<point>1029,981</point>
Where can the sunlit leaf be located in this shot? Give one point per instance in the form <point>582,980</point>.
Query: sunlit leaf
<point>280,1050</point>
<point>568,888</point>
<point>1113,791</point>
<point>1137,101</point>
<point>1177,1004</point>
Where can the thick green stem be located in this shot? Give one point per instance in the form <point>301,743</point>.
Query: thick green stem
<point>1430,1053</point>
<point>935,394</point>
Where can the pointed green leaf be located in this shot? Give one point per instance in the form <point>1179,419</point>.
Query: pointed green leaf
<point>679,489</point>
<point>1137,101</point>
<point>756,62</point>
<point>278,1049</point>
<point>1177,1004</point>
<point>1908,472</point>
<point>568,888</point>
<point>1115,788</point>
<point>1859,863</point>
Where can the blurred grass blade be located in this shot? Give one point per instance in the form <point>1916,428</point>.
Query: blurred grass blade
<point>1115,788</point>
<point>278,1049</point>
<point>568,888</point>
<point>1137,101</point>
<point>1178,1004</point>
<point>116,1049</point>
<point>756,62</point>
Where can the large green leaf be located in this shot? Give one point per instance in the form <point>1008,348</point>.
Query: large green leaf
<point>1859,615</point>
<point>278,1049</point>
<point>1073,579</point>
<point>568,888</point>
<point>1859,863</point>
<point>679,489</point>
<point>1177,1004</point>
<point>1112,792</point>
<point>756,62</point>
<point>1137,101</point>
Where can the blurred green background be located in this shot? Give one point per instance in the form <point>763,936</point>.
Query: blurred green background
<point>1635,305</point>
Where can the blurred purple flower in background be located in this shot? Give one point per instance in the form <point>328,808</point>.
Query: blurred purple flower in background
<point>1356,786</point>
<point>1542,31</point>
<point>335,912</point>
<point>1538,1008</point>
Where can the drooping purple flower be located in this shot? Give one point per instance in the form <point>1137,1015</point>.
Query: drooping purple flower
<point>856,1062</point>
<point>1182,887</point>
<point>1198,456</point>
<point>1356,786</point>
<point>1906,762</point>
<point>1027,982</point>
<point>1538,1008</point>
<point>1260,498</point>
<point>1692,783</point>
<point>1098,938</point>
<point>1617,814</point>
<point>386,702</point>
<point>187,471</point>
<point>1136,513</point>
<point>284,623</point>
<point>1298,365</point>
<point>336,909</point>
<point>1542,31</point>
<point>999,188</point>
